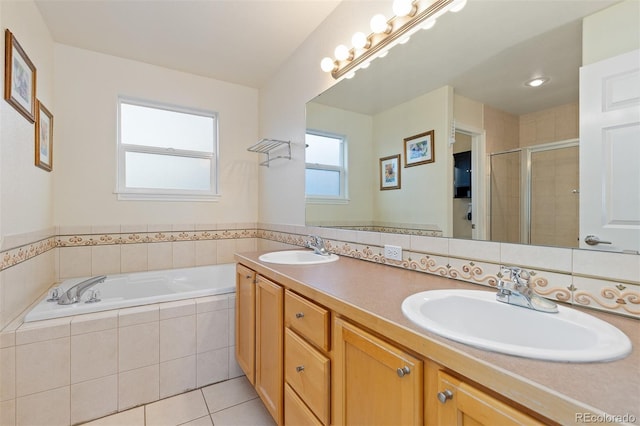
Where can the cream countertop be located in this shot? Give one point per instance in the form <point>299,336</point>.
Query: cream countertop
<point>371,294</point>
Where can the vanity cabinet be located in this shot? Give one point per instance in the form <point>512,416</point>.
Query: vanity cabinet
<point>269,345</point>
<point>313,366</point>
<point>460,403</point>
<point>307,370</point>
<point>375,382</point>
<point>246,320</point>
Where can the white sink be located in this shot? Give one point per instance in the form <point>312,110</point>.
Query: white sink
<point>297,257</point>
<point>474,317</point>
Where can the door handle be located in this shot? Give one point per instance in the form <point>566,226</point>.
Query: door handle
<point>593,240</point>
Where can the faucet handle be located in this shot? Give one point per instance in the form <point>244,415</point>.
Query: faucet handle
<point>515,274</point>
<point>55,294</point>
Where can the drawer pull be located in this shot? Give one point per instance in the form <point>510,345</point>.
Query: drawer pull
<point>300,368</point>
<point>248,276</point>
<point>403,371</point>
<point>300,315</point>
<point>445,396</point>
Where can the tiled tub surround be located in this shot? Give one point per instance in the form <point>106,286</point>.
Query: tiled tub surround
<point>31,263</point>
<point>70,370</point>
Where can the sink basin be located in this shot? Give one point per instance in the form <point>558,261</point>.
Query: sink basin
<point>297,257</point>
<point>474,317</point>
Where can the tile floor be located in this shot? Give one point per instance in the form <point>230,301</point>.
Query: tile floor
<point>233,402</point>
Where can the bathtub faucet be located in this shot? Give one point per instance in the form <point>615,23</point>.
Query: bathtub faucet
<point>74,294</point>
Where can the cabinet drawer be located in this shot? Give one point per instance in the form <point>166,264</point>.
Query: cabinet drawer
<point>295,411</point>
<point>306,370</point>
<point>307,318</point>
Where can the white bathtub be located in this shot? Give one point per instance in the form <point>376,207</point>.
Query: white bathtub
<point>142,288</point>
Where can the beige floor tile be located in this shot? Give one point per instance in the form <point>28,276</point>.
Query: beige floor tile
<point>251,413</point>
<point>176,410</point>
<point>134,417</point>
<point>202,421</point>
<point>227,394</point>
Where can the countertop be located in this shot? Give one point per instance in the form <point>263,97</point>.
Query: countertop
<point>371,294</point>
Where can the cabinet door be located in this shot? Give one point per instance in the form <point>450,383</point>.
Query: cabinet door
<point>375,383</point>
<point>463,404</point>
<point>269,347</point>
<point>246,320</point>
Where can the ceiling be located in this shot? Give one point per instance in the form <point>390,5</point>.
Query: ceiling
<point>239,41</point>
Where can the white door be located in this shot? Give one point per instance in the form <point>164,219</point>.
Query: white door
<point>610,154</point>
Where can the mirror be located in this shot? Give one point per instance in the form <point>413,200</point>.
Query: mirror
<point>494,136</point>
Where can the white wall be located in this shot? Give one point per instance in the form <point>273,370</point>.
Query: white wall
<point>611,32</point>
<point>26,202</point>
<point>87,85</point>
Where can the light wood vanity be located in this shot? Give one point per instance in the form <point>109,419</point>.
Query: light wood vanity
<point>328,344</point>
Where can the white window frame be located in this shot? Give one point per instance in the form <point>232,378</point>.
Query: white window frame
<point>343,197</point>
<point>165,194</point>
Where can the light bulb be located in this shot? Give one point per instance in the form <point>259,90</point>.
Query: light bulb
<point>350,75</point>
<point>342,52</point>
<point>429,23</point>
<point>379,24</point>
<point>327,64</point>
<point>537,82</point>
<point>404,40</point>
<point>383,54</point>
<point>458,5</point>
<point>365,65</point>
<point>359,40</point>
<point>402,7</point>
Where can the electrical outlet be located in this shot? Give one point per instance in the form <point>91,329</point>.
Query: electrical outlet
<point>393,252</point>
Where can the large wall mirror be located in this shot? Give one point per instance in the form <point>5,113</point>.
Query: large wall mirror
<point>502,163</point>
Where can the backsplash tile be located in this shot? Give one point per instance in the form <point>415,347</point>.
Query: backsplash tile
<point>593,277</point>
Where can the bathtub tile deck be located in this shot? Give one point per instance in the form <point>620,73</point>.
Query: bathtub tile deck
<point>233,402</point>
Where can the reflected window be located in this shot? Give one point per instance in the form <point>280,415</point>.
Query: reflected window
<point>166,152</point>
<point>325,175</point>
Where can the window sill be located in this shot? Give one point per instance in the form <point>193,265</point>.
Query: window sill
<point>319,200</point>
<point>142,196</point>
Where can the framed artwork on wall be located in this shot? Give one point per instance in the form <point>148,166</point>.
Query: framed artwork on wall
<point>19,78</point>
<point>390,172</point>
<point>44,137</point>
<point>418,149</point>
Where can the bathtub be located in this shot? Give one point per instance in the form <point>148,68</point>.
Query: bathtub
<point>142,288</point>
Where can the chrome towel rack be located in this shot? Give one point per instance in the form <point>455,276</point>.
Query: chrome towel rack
<point>267,146</point>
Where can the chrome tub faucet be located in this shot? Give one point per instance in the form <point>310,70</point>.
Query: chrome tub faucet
<point>514,289</point>
<point>318,245</point>
<point>74,294</point>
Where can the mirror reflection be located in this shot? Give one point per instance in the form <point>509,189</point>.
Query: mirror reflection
<point>506,155</point>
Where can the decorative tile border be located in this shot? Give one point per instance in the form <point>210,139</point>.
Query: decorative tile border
<point>593,293</point>
<point>608,295</point>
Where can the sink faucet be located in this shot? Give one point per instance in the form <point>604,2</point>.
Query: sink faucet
<point>74,294</point>
<point>318,245</point>
<point>518,292</point>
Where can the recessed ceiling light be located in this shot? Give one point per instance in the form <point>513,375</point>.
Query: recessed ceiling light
<point>537,82</point>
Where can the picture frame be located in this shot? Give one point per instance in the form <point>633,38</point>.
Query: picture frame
<point>19,78</point>
<point>44,137</point>
<point>419,149</point>
<point>390,172</point>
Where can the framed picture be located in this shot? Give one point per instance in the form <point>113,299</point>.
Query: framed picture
<point>19,78</point>
<point>418,149</point>
<point>390,172</point>
<point>44,137</point>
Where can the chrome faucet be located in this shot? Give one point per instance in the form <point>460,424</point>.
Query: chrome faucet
<point>74,294</point>
<point>318,245</point>
<point>517,291</point>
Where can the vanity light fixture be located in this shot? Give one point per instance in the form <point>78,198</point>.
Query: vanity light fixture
<point>410,17</point>
<point>537,82</point>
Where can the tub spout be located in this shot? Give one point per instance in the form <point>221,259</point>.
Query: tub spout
<point>74,294</point>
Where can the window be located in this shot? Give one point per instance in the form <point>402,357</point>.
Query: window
<point>326,172</point>
<point>166,152</point>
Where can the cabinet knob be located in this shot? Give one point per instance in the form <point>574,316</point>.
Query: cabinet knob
<point>445,396</point>
<point>300,368</point>
<point>403,371</point>
<point>248,276</point>
<point>300,315</point>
